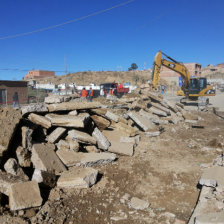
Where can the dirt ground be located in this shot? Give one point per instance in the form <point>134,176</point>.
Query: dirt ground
<point>163,171</point>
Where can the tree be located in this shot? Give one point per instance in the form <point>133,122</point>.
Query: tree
<point>133,67</point>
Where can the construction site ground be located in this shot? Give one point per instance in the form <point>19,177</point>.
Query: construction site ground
<point>164,171</point>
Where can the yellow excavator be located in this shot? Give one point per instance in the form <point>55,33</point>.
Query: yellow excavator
<point>192,88</point>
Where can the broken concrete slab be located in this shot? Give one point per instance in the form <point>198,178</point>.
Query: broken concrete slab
<point>6,180</point>
<point>68,120</point>
<point>157,111</point>
<point>44,158</point>
<point>40,120</point>
<point>210,218</point>
<point>102,141</point>
<point>24,195</point>
<point>152,133</point>
<point>100,111</point>
<point>56,99</point>
<point>27,137</point>
<point>11,166</point>
<point>73,106</point>
<point>138,204</point>
<point>160,107</point>
<point>34,108</point>
<point>70,145</point>
<point>155,119</point>
<point>213,177</point>
<point>112,116</point>
<point>73,112</point>
<point>82,137</point>
<point>123,148</point>
<point>23,156</point>
<point>91,148</point>
<point>101,122</point>
<point>78,177</point>
<point>56,134</point>
<point>142,122</point>
<point>44,178</point>
<point>126,128</point>
<point>70,158</point>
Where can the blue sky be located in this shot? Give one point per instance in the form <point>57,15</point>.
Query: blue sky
<point>187,30</point>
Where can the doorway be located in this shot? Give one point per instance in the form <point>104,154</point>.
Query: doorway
<point>2,96</point>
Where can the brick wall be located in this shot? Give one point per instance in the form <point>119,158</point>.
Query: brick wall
<point>11,88</point>
<point>36,74</point>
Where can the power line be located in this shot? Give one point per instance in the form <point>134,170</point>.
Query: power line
<point>65,23</point>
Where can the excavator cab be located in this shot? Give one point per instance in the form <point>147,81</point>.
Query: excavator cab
<point>197,85</point>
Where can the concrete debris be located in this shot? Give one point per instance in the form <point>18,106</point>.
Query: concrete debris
<point>68,106</point>
<point>152,133</point>
<point>160,107</point>
<point>68,120</point>
<point>111,116</point>
<point>157,111</point>
<point>44,178</point>
<point>27,137</point>
<point>101,122</point>
<point>70,158</point>
<point>44,158</point>
<point>213,177</point>
<point>7,180</point>
<point>78,177</point>
<point>82,137</point>
<point>24,195</point>
<point>40,120</point>
<point>34,108</point>
<point>56,134</point>
<point>138,204</point>
<point>23,156</point>
<point>12,167</point>
<point>126,128</point>
<point>102,141</point>
<point>91,148</point>
<point>210,218</point>
<point>70,145</point>
<point>57,99</point>
<point>73,112</point>
<point>142,122</point>
<point>123,148</point>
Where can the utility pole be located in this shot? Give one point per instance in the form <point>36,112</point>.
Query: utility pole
<point>65,77</point>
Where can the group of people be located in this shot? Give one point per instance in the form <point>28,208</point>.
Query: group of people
<point>87,95</point>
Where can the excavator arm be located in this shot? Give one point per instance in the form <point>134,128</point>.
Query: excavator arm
<point>173,65</point>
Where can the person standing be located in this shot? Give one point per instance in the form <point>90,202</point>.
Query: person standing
<point>16,100</point>
<point>84,93</point>
<point>90,94</point>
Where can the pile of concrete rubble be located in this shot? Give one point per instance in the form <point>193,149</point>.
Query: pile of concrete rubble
<point>59,142</point>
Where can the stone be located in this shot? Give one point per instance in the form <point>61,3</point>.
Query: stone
<point>44,158</point>
<point>123,148</point>
<point>78,177</point>
<point>27,137</point>
<point>101,123</point>
<point>138,204</point>
<point>40,120</point>
<point>210,218</point>
<point>111,116</point>
<point>66,106</point>
<point>12,167</point>
<point>82,137</point>
<point>102,141</point>
<point>34,108</point>
<point>24,195</point>
<point>68,120</point>
<point>126,128</point>
<point>23,156</point>
<point>70,158</point>
<point>56,134</point>
<point>73,112</point>
<point>44,178</point>
<point>91,148</point>
<point>100,111</point>
<point>157,111</point>
<point>142,122</point>
<point>213,177</point>
<point>7,180</point>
